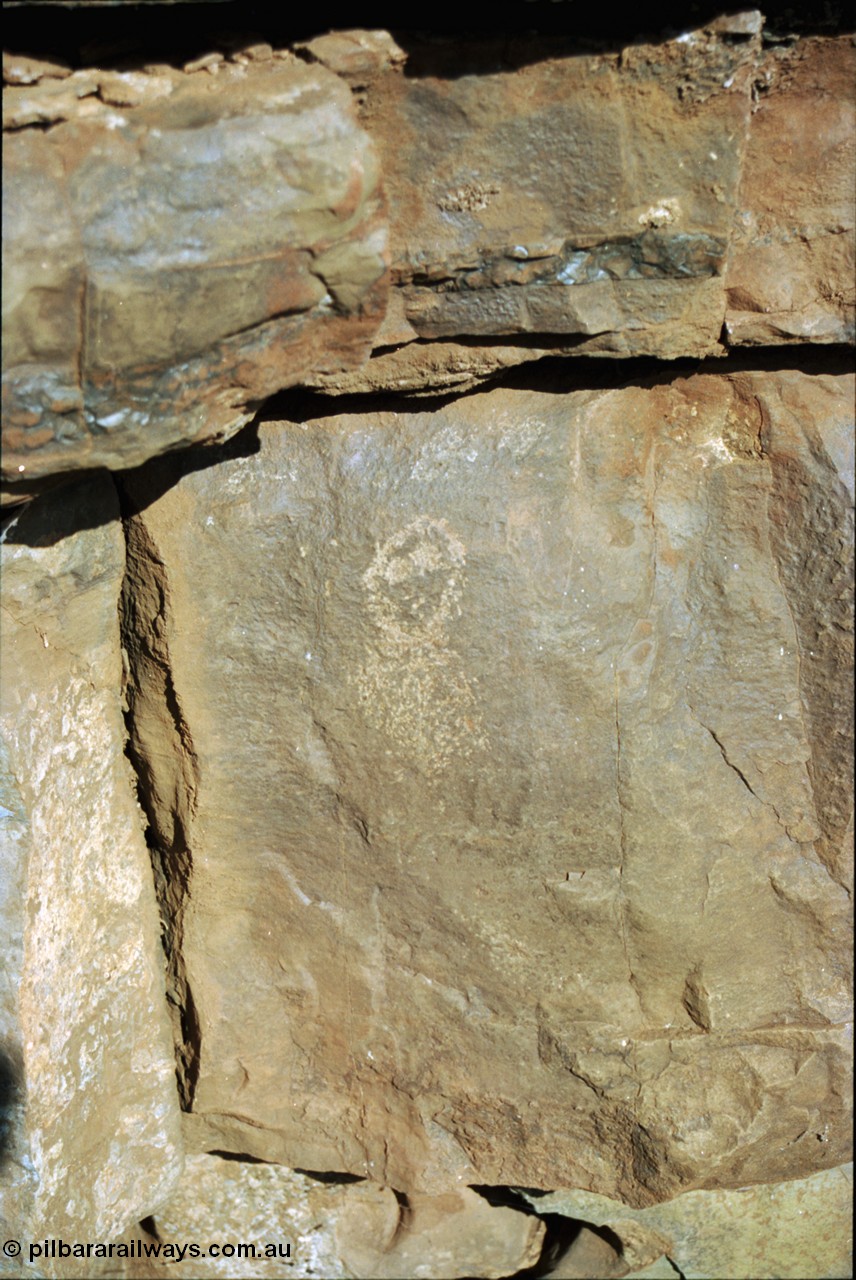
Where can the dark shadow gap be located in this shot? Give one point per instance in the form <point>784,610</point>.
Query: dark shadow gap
<point>558,374</point>
<point>581,1248</point>
<point>163,760</point>
<point>331,1177</point>
<point>238,1157</point>
<point>128,35</point>
<point>553,374</point>
<point>11,1079</point>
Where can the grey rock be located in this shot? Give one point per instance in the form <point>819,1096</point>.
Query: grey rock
<point>93,1140</point>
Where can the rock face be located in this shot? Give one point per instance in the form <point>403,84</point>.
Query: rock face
<point>553,198</point>
<point>94,1142</point>
<point>178,248</point>
<point>632,203</point>
<point>299,1226</point>
<point>182,244</point>
<point>790,1230</point>
<point>230,1202</point>
<point>790,274</point>
<point>519,770</point>
<point>427,810</point>
<point>455,1235</point>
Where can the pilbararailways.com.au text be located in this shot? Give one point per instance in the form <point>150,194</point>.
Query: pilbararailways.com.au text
<point>153,1249</point>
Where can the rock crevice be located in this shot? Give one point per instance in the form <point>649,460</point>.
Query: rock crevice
<point>160,748</point>
<point>445,782</point>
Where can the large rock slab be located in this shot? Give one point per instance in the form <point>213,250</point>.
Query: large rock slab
<point>540,192</point>
<point>454,1235</point>
<point>221,1204</point>
<point>176,248</point>
<point>516,847</point>
<point>92,1142</point>
<point>165,269</point>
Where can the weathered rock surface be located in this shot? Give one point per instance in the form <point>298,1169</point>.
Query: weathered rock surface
<point>359,1229</point>
<point>237,1202</point>
<point>166,270</point>
<point>790,274</point>
<point>457,1234</point>
<point>635,202</point>
<point>496,755</point>
<point>521,779</point>
<point>93,1143</point>
<point>176,249</point>
<point>591,196</point>
<point>788,1231</point>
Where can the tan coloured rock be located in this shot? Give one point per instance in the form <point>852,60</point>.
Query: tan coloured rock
<point>791,269</point>
<point>520,770</point>
<point>582,196</point>
<point>261,1220</point>
<point>358,56</point>
<point>94,1144</point>
<point>585,195</point>
<point>19,69</point>
<point>453,1235</point>
<point>170,264</point>
<point>311,1227</point>
<point>783,1232</point>
<point>230,1203</point>
<point>543,200</point>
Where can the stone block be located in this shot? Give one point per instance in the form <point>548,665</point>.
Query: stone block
<point>227,1203</point>
<point>516,843</point>
<point>781,1232</point>
<point>555,191</point>
<point>453,1235</point>
<point>330,1228</point>
<point>174,260</point>
<point>791,269</point>
<point>674,199</point>
<point>92,1142</point>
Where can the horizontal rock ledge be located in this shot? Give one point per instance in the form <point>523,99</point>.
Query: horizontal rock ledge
<point>171,261</point>
<point>179,244</point>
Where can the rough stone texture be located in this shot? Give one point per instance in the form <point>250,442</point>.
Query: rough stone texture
<point>783,1232</point>
<point>358,1230</point>
<point>497,758</point>
<point>93,1143</point>
<point>165,271</point>
<point>585,195</point>
<point>635,202</point>
<point>519,769</point>
<point>791,268</point>
<point>177,249</point>
<point>454,1235</point>
<point>232,1202</point>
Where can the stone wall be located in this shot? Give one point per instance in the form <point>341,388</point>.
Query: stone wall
<point>427,643</point>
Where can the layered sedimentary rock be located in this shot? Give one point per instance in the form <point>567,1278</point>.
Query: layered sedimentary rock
<point>93,1143</point>
<point>515,851</point>
<point>581,195</point>
<point>178,247</point>
<point>180,244</point>
<point>630,203</point>
<point>496,755</point>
